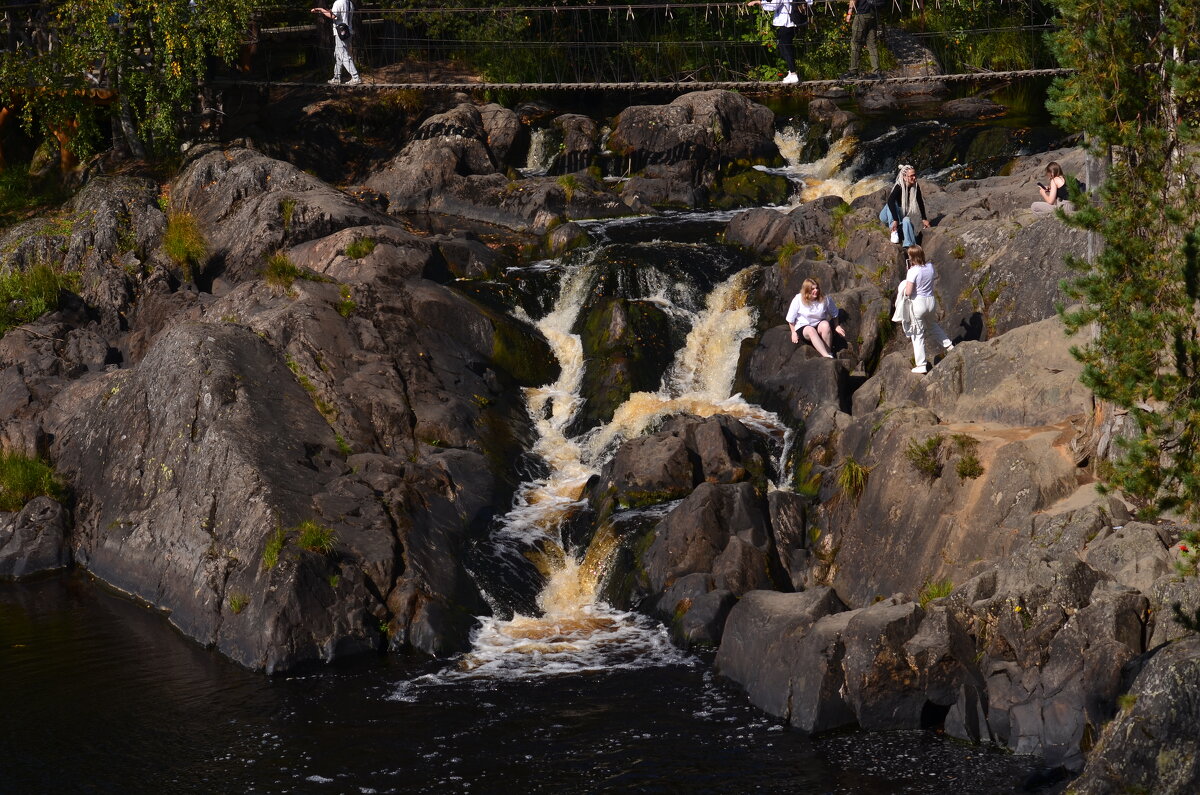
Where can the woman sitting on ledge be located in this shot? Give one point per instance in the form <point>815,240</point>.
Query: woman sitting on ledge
<point>1052,192</point>
<point>813,314</point>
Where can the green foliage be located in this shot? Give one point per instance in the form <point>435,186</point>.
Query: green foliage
<point>238,602</point>
<point>315,537</point>
<point>852,478</point>
<point>787,251</point>
<point>1189,554</point>
<point>968,467</point>
<point>360,247</point>
<point>274,546</point>
<point>184,243</point>
<point>343,446</point>
<point>280,272</point>
<point>22,478</point>
<point>154,57</point>
<point>27,295</point>
<point>21,196</point>
<point>346,306</point>
<point>926,456</point>
<point>1135,94</point>
<point>287,207</point>
<point>934,590</point>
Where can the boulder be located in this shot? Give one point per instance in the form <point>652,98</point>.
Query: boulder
<point>679,153</point>
<point>1151,745</point>
<point>765,635</point>
<point>33,540</point>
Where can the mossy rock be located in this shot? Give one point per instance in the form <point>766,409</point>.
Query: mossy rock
<point>627,346</point>
<point>749,187</point>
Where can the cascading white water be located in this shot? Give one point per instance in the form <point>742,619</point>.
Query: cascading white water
<point>542,148</point>
<point>828,176</point>
<point>576,632</point>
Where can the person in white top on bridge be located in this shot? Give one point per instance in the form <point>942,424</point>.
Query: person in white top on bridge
<point>342,16</point>
<point>786,16</point>
<point>812,313</point>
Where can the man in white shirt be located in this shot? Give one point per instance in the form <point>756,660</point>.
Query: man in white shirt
<point>342,16</point>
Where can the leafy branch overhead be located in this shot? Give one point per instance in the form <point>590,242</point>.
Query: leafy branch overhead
<point>142,60</point>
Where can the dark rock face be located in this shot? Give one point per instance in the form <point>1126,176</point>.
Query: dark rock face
<point>1151,744</point>
<point>33,540</point>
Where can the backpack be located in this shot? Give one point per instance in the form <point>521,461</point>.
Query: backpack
<point>343,31</point>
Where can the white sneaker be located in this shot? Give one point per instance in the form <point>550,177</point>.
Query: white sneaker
<point>334,81</point>
<point>790,77</point>
<point>922,369</point>
<point>949,346</point>
<point>354,81</point>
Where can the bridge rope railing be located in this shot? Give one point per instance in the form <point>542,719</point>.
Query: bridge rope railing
<point>628,43</point>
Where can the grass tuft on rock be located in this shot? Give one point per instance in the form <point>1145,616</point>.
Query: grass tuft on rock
<point>184,243</point>
<point>26,295</point>
<point>315,537</point>
<point>22,478</point>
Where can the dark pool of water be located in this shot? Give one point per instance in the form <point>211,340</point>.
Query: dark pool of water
<point>100,695</point>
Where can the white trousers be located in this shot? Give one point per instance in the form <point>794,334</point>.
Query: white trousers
<point>923,323</point>
<point>341,57</point>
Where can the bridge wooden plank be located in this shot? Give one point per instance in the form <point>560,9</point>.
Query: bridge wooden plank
<point>738,85</point>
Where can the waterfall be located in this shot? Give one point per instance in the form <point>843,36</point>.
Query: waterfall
<point>543,146</point>
<point>577,632</point>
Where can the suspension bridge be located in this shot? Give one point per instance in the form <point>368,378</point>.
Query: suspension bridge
<point>635,46</point>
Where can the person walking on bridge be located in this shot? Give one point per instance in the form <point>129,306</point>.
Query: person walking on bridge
<point>864,28</point>
<point>342,16</point>
<point>786,16</point>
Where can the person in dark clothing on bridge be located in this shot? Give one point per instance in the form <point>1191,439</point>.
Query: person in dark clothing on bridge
<point>864,28</point>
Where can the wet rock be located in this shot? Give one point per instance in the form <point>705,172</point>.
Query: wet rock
<point>580,144</point>
<point>33,540</point>
<point>627,344</point>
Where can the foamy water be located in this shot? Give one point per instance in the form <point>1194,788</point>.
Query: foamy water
<point>576,631</point>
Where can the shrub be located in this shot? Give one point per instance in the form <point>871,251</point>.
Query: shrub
<point>357,249</point>
<point>926,456</point>
<point>22,478</point>
<point>934,590</point>
<point>315,537</point>
<point>185,244</point>
<point>27,295</point>
<point>852,478</point>
<point>968,467</point>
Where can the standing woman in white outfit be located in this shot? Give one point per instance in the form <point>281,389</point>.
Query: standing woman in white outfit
<point>813,315</point>
<point>918,285</point>
<point>342,16</point>
<point>784,19</point>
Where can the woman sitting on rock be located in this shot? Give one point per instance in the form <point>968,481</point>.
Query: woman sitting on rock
<point>905,208</point>
<point>1052,192</point>
<point>917,316</point>
<point>813,314</point>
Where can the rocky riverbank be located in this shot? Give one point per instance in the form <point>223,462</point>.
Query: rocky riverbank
<point>291,439</point>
